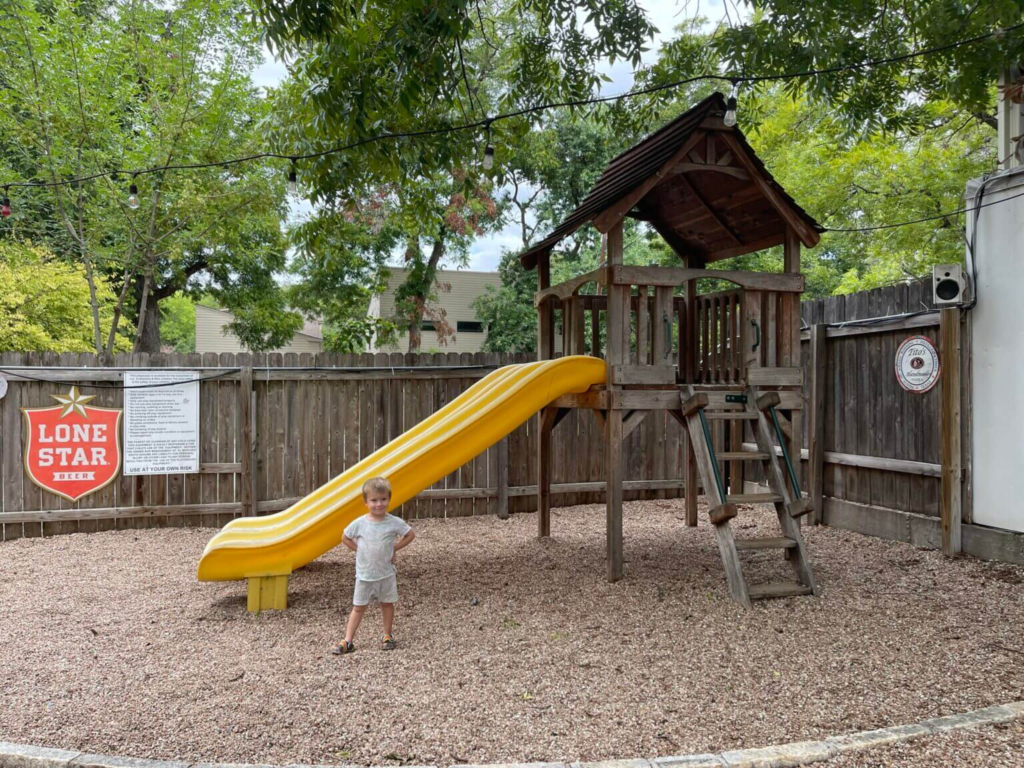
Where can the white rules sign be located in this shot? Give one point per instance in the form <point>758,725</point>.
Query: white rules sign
<point>161,422</point>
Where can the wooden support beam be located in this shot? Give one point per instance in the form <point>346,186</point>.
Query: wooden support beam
<point>571,287</point>
<point>502,479</point>
<point>693,402</point>
<point>643,326</point>
<point>677,276</point>
<point>547,423</point>
<point>729,170</point>
<point>267,593</point>
<point>809,237</point>
<point>631,421</point>
<point>545,313</point>
<point>709,210</point>
<point>641,374</point>
<point>816,428</point>
<point>613,214</point>
<point>615,474</point>
<point>951,500</point>
<point>775,377</point>
<point>661,327</point>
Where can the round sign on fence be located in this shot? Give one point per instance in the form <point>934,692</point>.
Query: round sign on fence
<point>917,364</point>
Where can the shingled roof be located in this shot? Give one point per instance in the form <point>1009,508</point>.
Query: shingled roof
<point>698,183</point>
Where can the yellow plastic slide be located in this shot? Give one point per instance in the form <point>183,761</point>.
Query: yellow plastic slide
<point>278,544</point>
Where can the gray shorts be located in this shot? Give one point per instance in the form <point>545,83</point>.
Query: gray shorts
<point>381,591</point>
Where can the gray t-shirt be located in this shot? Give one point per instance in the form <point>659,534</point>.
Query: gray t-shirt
<point>375,545</point>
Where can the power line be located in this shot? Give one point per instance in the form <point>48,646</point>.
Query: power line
<point>486,122</point>
<point>937,217</point>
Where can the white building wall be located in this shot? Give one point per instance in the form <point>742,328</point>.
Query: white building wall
<point>210,337</point>
<point>997,351</point>
<point>459,289</point>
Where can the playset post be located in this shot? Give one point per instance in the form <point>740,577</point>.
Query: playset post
<point>730,356</point>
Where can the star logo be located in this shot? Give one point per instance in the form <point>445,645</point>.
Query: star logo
<point>73,402</point>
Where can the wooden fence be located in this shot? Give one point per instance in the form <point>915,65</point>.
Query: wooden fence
<point>880,445</point>
<point>872,460</point>
<point>271,437</point>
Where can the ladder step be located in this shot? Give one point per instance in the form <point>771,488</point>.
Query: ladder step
<point>778,589</point>
<point>778,543</point>
<point>754,498</point>
<point>741,456</point>
<point>730,416</point>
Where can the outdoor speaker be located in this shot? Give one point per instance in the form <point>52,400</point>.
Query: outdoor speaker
<point>947,285</point>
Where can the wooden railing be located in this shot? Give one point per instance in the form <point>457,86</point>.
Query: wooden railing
<point>718,337</point>
<point>713,342</point>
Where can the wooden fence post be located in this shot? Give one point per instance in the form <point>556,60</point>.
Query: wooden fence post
<point>502,479</point>
<point>247,398</point>
<point>949,335</point>
<point>816,449</point>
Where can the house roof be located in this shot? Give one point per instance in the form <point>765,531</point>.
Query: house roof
<point>698,183</point>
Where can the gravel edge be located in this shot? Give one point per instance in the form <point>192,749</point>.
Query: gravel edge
<point>779,756</point>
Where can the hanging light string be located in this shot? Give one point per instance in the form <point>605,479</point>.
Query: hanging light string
<point>485,123</point>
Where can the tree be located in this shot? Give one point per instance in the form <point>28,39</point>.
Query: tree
<point>45,303</point>
<point>98,88</point>
<point>178,323</point>
<point>885,178</point>
<point>782,37</point>
<point>360,70</point>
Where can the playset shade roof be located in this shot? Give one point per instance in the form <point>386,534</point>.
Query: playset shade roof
<point>700,185</point>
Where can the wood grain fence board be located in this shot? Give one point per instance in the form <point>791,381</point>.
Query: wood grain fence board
<point>461,477</point>
<point>227,405</point>
<point>191,484</point>
<point>13,474</point>
<point>276,433</point>
<point>438,394</point>
<point>482,462</point>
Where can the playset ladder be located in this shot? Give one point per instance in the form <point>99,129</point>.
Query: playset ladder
<point>698,409</point>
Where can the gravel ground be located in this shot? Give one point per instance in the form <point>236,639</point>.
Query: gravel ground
<point>511,648</point>
<point>998,746</point>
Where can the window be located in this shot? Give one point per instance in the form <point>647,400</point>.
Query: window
<point>427,325</point>
<point>467,326</point>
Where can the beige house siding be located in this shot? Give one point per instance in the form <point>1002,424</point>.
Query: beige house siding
<point>209,336</point>
<point>459,289</point>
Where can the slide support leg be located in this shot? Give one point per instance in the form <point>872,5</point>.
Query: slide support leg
<point>267,593</point>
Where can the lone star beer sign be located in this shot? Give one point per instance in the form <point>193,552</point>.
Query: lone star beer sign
<point>72,449</point>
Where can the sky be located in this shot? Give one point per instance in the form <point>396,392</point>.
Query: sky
<point>486,251</point>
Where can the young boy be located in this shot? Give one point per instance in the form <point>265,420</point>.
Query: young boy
<point>375,537</point>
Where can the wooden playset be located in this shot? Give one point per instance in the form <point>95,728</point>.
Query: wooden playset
<point>731,355</point>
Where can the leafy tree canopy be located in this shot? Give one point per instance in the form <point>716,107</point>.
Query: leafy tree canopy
<point>95,87</point>
<point>783,36</point>
<point>45,303</point>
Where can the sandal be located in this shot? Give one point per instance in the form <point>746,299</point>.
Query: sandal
<point>388,643</point>
<point>342,648</point>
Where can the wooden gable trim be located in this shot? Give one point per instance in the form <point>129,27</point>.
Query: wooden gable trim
<point>612,215</point>
<point>807,235</point>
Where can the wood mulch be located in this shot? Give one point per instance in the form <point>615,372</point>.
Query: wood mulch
<point>511,649</point>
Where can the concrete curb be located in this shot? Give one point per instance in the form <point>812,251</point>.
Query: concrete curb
<point>795,753</point>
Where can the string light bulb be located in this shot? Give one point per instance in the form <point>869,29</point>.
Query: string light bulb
<point>488,150</point>
<point>293,179</point>
<point>133,195</point>
<point>730,108</point>
<point>5,206</point>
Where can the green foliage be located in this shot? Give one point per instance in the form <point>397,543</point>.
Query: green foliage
<point>44,303</point>
<point>507,312</point>
<point>783,36</point>
<point>878,180</point>
<point>91,88</point>
<point>353,335</point>
<point>178,323</point>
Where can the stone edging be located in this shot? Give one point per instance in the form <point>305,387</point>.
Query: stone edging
<point>780,756</point>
